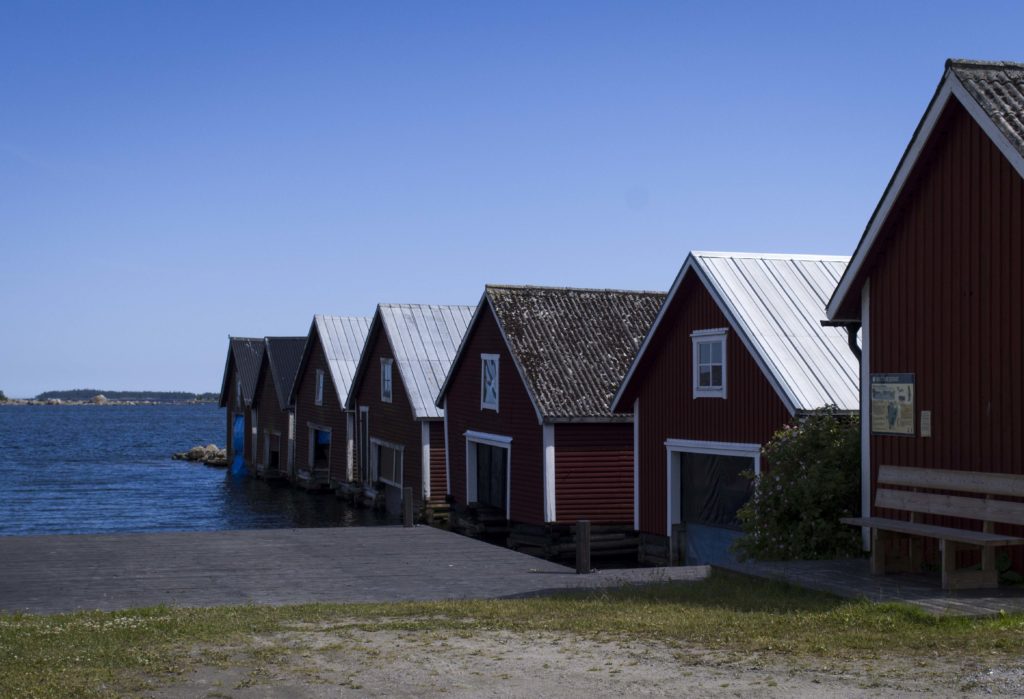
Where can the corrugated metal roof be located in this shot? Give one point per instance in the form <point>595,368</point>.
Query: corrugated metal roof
<point>284,354</point>
<point>573,346</point>
<point>247,353</point>
<point>777,303</point>
<point>998,88</point>
<point>424,339</point>
<point>342,338</point>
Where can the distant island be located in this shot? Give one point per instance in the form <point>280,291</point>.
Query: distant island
<point>97,397</point>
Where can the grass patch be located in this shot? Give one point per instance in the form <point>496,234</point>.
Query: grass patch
<point>103,653</point>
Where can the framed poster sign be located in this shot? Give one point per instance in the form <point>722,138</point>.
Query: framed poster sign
<point>892,404</point>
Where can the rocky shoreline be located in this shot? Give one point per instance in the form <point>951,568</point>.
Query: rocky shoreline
<point>211,455</point>
<point>104,401</point>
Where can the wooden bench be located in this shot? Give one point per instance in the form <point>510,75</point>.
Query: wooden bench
<point>909,498</point>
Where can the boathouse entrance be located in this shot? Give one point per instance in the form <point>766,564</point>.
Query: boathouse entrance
<point>487,470</point>
<point>706,488</point>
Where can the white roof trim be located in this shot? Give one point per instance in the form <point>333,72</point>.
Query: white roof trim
<point>949,87</point>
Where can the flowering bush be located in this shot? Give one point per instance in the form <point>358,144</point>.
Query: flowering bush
<point>812,478</point>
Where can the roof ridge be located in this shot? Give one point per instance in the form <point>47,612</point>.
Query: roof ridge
<point>966,62</point>
<point>772,256</point>
<point>539,287</point>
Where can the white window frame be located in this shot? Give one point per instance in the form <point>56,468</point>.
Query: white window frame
<point>697,338</point>
<point>399,448</point>
<point>318,393</point>
<point>673,476</point>
<point>386,379</point>
<point>494,440</point>
<point>484,358</point>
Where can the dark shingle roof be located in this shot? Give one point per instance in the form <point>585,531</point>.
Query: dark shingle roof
<point>573,346</point>
<point>247,353</point>
<point>998,88</point>
<point>284,354</point>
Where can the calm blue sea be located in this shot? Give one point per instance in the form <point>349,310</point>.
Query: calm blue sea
<point>89,469</point>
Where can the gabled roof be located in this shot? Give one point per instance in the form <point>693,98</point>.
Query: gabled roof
<point>993,94</point>
<point>282,358</point>
<point>571,347</point>
<point>342,339</point>
<point>774,303</point>
<point>247,353</point>
<point>424,340</point>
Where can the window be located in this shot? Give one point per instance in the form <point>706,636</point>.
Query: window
<point>385,379</point>
<point>489,382</point>
<point>319,398</point>
<point>388,459</point>
<point>709,365</point>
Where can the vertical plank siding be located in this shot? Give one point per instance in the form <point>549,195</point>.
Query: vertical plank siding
<point>331,414</point>
<point>515,418</point>
<point>750,414</point>
<point>594,473</point>
<point>270,418</point>
<point>947,304</point>
<point>438,476</point>
<point>392,422</point>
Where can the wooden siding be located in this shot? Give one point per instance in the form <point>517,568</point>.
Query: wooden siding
<point>594,473</point>
<point>232,410</point>
<point>438,476</point>
<point>946,304</point>
<point>392,422</point>
<point>516,418</point>
<point>331,414</point>
<point>750,414</point>
<point>270,418</point>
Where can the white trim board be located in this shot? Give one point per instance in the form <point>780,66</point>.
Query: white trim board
<point>950,87</point>
<point>425,459</point>
<point>550,502</point>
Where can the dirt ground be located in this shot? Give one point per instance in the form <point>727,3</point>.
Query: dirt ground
<point>340,662</point>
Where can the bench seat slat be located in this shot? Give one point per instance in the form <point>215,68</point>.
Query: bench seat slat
<point>964,536</point>
<point>984,483</point>
<point>951,505</point>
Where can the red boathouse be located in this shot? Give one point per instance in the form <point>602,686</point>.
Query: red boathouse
<point>737,351</point>
<point>532,444</point>
<point>272,409</point>
<point>236,392</point>
<point>936,285</point>
<point>408,353</point>
<point>324,430</point>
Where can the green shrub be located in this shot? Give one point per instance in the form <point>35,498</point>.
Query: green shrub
<point>811,480</point>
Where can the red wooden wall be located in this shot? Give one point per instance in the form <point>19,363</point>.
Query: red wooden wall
<point>330,414</point>
<point>750,414</point>
<point>392,422</point>
<point>594,473</point>
<point>269,416</point>
<point>438,477</point>
<point>516,418</point>
<point>947,303</point>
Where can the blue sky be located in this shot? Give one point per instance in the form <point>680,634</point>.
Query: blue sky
<point>172,173</point>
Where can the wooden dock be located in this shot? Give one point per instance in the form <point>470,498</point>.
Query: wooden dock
<point>52,574</point>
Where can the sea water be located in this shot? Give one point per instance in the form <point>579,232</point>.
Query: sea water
<point>75,469</point>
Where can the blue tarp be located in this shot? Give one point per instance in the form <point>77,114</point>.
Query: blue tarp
<point>709,545</point>
<point>238,445</point>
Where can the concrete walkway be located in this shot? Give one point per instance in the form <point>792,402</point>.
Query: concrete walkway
<point>50,574</point>
<point>852,578</point>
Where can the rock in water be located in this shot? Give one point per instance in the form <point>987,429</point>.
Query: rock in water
<point>211,455</point>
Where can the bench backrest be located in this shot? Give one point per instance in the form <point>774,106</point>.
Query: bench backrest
<point>980,508</point>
